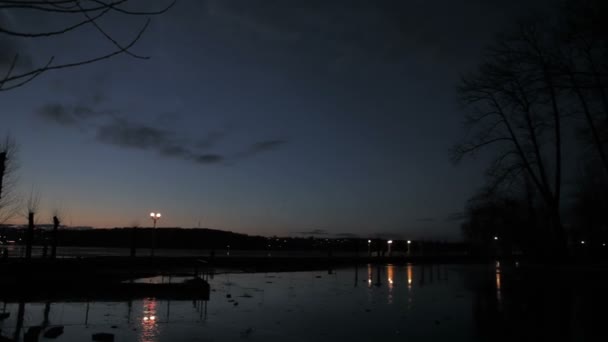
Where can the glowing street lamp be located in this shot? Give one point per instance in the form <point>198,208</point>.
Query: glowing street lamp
<point>390,243</point>
<point>409,243</point>
<point>369,248</point>
<point>496,238</point>
<point>155,217</point>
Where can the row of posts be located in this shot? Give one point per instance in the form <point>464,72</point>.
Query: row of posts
<point>29,236</point>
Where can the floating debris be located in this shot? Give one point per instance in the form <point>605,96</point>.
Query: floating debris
<point>103,337</point>
<point>31,335</point>
<point>247,332</point>
<point>54,332</point>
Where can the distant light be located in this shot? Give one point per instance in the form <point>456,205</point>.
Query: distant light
<point>582,242</point>
<point>409,242</point>
<point>152,318</point>
<point>603,245</point>
<point>158,215</point>
<point>146,318</point>
<point>390,241</point>
<point>152,214</point>
<point>495,238</point>
<point>369,241</point>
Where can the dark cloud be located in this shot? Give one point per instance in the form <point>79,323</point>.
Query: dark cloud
<point>347,235</point>
<point>458,216</point>
<point>211,139</point>
<point>343,33</point>
<point>315,232</point>
<point>123,133</point>
<point>127,134</point>
<point>112,128</point>
<point>261,147</point>
<point>66,115</point>
<point>209,159</point>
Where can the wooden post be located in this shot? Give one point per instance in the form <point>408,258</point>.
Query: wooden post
<point>29,236</point>
<point>54,237</point>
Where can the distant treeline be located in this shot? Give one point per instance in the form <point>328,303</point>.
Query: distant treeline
<point>196,238</point>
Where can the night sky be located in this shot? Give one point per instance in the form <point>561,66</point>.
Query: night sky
<point>261,117</point>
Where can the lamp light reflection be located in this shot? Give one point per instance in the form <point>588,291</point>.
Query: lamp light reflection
<point>410,276</point>
<point>498,285</point>
<point>149,325</point>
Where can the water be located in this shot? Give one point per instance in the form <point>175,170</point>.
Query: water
<point>368,303</point>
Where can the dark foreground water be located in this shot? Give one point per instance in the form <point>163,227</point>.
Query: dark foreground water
<point>367,303</point>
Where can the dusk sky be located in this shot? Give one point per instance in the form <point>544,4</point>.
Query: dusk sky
<point>260,117</point>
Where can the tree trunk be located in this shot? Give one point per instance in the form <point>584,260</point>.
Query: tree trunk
<point>2,170</point>
<point>29,236</point>
<point>55,237</point>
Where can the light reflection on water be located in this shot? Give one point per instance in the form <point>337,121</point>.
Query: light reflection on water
<point>149,324</point>
<point>400,302</point>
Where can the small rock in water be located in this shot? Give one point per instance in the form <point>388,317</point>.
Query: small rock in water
<point>368,310</point>
<point>114,327</point>
<point>318,276</point>
<point>236,303</point>
<point>246,332</point>
<point>103,337</point>
<point>53,332</point>
<point>31,335</point>
<point>228,296</point>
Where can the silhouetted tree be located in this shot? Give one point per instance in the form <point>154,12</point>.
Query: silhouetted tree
<point>55,234</point>
<point>589,206</point>
<point>580,55</point>
<point>535,83</point>
<point>70,15</point>
<point>9,199</point>
<point>518,107</point>
<point>33,204</point>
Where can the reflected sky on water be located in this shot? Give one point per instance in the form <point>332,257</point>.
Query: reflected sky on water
<point>496,302</point>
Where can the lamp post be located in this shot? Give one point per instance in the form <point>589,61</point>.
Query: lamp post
<point>155,217</point>
<point>409,243</point>
<point>390,243</point>
<point>369,248</point>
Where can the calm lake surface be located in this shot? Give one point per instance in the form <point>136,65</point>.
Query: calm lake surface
<point>366,303</point>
